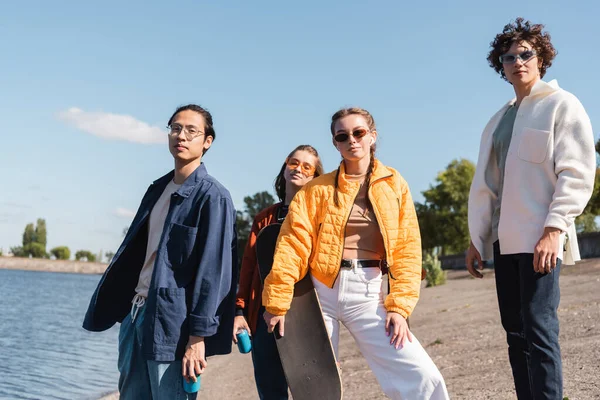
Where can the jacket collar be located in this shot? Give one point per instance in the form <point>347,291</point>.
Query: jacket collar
<point>540,88</point>
<point>379,171</point>
<point>188,185</point>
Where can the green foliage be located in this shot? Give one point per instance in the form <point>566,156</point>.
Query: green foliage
<point>40,232</point>
<point>1,253</point>
<point>244,219</point>
<point>256,203</point>
<point>85,254</point>
<point>435,275</point>
<point>35,250</point>
<point>61,252</point>
<point>17,251</point>
<point>29,235</point>
<point>34,241</point>
<point>443,215</point>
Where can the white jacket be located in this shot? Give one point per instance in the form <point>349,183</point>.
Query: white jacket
<point>548,177</point>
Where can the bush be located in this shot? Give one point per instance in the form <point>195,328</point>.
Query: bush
<point>435,275</point>
<point>61,252</point>
<point>81,254</point>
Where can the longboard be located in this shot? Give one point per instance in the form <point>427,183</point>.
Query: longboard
<point>306,352</point>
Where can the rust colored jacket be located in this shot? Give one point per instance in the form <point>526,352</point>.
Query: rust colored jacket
<point>248,298</point>
<point>312,236</point>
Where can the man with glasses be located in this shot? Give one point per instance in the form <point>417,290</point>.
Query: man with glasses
<point>172,282</point>
<point>534,176</point>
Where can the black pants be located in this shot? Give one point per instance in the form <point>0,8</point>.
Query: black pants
<point>268,372</point>
<point>528,304</point>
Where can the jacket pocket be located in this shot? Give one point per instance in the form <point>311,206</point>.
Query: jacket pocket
<point>171,314</point>
<point>533,146</point>
<point>180,244</point>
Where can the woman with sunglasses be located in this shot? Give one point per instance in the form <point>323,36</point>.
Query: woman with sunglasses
<point>535,174</point>
<point>344,228</point>
<point>300,167</point>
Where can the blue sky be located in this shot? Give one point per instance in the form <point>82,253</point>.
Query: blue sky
<point>87,89</point>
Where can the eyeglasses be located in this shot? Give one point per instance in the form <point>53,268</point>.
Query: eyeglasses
<point>307,169</point>
<point>512,58</point>
<point>357,133</point>
<point>190,132</point>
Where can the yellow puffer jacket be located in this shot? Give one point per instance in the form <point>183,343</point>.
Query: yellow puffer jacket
<point>314,230</point>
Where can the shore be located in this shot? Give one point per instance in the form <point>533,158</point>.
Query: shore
<point>459,326</point>
<point>45,265</point>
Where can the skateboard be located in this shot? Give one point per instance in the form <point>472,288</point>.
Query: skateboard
<point>306,352</point>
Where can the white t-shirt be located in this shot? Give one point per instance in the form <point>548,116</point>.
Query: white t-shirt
<point>155,229</point>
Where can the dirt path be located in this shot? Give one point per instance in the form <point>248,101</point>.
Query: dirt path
<point>459,325</point>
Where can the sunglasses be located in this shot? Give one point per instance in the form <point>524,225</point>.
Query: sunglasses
<point>512,58</point>
<point>307,169</point>
<point>357,133</point>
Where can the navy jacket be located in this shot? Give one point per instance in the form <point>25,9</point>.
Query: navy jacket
<point>192,291</point>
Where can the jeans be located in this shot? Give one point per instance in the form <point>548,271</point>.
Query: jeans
<point>145,379</point>
<point>268,372</point>
<point>356,300</point>
<point>528,303</point>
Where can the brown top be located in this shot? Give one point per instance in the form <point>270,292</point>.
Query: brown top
<point>363,237</point>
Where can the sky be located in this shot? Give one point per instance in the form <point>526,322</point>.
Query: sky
<point>86,90</point>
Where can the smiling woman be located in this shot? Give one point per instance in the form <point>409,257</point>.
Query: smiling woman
<point>534,176</point>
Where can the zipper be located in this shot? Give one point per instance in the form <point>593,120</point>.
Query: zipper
<point>378,217</point>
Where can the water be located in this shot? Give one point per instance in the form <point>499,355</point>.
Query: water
<point>44,351</point>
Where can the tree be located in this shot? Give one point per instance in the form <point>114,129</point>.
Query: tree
<point>85,255</point>
<point>61,252</point>
<point>586,222</point>
<point>244,219</point>
<point>29,235</point>
<point>34,241</point>
<point>35,250</point>
<point>443,215</point>
<point>433,267</point>
<point>258,202</point>
<point>40,232</point>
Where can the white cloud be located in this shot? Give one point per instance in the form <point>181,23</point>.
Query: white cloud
<point>113,126</point>
<point>124,213</point>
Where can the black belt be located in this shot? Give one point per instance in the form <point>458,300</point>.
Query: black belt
<point>363,263</point>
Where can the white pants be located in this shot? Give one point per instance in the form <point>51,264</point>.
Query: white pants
<point>356,300</point>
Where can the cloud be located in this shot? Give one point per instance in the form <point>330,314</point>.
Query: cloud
<point>124,213</point>
<point>113,126</point>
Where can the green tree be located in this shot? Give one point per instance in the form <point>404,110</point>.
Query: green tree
<point>443,214</point>
<point>586,222</point>
<point>35,250</point>
<point>17,251</point>
<point>433,267</point>
<point>256,203</point>
<point>88,255</point>
<point>29,235</point>
<point>61,252</point>
<point>40,232</point>
<point>244,219</point>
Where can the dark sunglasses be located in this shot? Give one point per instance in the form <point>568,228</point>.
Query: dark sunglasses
<point>512,58</point>
<point>357,133</point>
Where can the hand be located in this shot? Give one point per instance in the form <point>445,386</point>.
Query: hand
<point>273,320</point>
<point>193,362</point>
<point>239,323</point>
<point>545,251</point>
<point>472,255</point>
<point>395,325</point>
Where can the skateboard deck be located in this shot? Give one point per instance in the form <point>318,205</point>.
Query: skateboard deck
<point>306,352</point>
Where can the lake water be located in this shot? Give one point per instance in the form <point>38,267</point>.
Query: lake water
<point>44,351</point>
